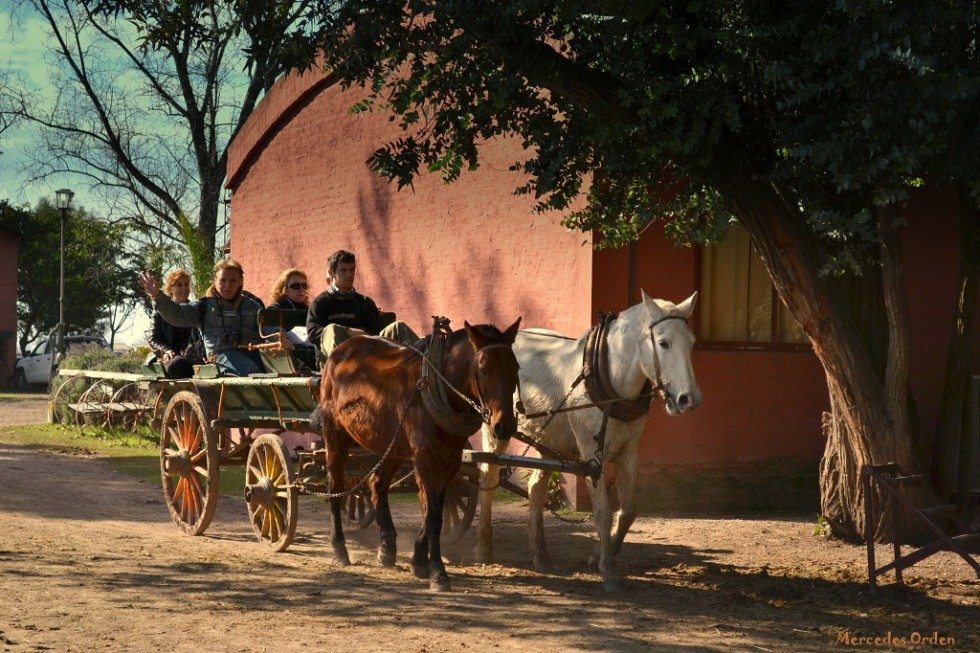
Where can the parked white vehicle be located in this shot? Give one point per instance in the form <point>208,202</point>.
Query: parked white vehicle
<point>33,369</point>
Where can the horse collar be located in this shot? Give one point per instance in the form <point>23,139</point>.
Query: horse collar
<point>595,370</point>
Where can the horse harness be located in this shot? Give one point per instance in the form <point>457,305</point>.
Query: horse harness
<point>599,389</point>
<point>435,395</point>
<point>436,400</point>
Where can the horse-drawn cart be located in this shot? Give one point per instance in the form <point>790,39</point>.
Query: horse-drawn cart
<point>210,421</point>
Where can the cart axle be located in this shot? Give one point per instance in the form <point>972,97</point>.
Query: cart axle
<point>579,468</point>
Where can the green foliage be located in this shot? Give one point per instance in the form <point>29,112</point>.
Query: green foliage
<point>838,107</point>
<point>99,271</point>
<point>93,357</point>
<point>202,256</point>
<point>822,527</point>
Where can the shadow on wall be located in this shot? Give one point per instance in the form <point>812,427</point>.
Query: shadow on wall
<point>435,266</point>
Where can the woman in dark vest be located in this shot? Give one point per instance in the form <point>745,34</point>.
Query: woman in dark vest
<point>178,349</point>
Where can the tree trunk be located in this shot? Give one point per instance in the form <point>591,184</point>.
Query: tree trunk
<point>952,438</point>
<point>869,421</point>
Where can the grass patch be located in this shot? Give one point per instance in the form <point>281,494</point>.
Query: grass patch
<point>14,397</point>
<point>130,455</point>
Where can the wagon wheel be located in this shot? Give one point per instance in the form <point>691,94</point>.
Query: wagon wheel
<point>460,506</point>
<point>270,496</point>
<point>91,408</point>
<point>64,398</point>
<point>189,463</point>
<point>129,408</point>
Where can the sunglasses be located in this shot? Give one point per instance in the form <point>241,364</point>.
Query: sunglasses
<point>298,285</point>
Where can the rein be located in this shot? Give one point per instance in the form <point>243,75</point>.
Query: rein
<point>435,395</point>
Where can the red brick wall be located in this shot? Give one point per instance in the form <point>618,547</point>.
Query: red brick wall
<point>8,305</point>
<point>470,250</point>
<point>473,250</point>
<point>931,250</point>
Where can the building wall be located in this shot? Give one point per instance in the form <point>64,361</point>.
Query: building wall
<point>755,441</point>
<point>472,250</point>
<point>8,306</point>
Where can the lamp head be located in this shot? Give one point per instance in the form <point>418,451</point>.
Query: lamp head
<point>63,198</point>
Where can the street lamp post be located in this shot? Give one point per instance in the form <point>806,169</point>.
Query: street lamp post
<point>62,201</point>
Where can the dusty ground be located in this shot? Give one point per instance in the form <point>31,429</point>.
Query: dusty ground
<point>89,560</point>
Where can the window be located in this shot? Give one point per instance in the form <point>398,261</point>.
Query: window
<point>738,302</point>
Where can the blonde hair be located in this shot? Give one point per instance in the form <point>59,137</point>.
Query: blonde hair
<point>279,285</point>
<point>227,264</point>
<point>172,278</point>
<point>224,264</point>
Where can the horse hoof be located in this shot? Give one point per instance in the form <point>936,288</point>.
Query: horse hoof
<point>340,556</point>
<point>613,585</point>
<point>421,571</point>
<point>439,583</point>
<point>386,558</point>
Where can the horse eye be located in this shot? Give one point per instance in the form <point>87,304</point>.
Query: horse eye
<point>664,344</point>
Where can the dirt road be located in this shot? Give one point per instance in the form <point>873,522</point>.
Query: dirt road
<point>90,561</point>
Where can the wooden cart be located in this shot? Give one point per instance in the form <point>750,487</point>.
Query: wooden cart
<point>210,421</point>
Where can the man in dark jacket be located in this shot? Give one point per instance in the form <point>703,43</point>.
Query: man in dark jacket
<point>341,312</point>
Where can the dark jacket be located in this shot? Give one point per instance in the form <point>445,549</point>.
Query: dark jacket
<point>182,341</point>
<point>346,309</point>
<point>223,324</point>
<point>286,304</point>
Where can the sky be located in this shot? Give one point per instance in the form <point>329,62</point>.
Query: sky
<point>22,51</point>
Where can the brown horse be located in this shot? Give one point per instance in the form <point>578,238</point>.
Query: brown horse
<point>371,393</point>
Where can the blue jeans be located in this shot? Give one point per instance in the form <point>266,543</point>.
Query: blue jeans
<point>239,362</point>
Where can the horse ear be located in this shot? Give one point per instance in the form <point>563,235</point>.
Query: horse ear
<point>686,307</point>
<point>511,333</point>
<point>477,339</point>
<point>653,309</point>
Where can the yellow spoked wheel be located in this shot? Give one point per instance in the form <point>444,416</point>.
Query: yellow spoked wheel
<point>189,463</point>
<point>269,492</point>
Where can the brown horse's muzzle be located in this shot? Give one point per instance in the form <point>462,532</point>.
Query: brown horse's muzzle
<point>504,429</point>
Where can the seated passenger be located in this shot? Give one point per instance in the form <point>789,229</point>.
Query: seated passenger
<point>227,316</point>
<point>290,291</point>
<point>341,312</point>
<point>178,349</point>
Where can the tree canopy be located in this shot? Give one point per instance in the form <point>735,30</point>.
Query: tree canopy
<point>146,98</point>
<point>840,106</point>
<point>99,272</point>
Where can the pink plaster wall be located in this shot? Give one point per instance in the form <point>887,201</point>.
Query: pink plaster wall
<point>470,250</point>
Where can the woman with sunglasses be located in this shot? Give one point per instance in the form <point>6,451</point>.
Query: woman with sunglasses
<point>291,290</point>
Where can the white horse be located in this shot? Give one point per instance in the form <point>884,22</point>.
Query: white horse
<point>648,348</point>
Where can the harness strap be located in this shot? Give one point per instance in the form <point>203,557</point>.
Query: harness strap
<point>435,395</point>
<point>598,385</point>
